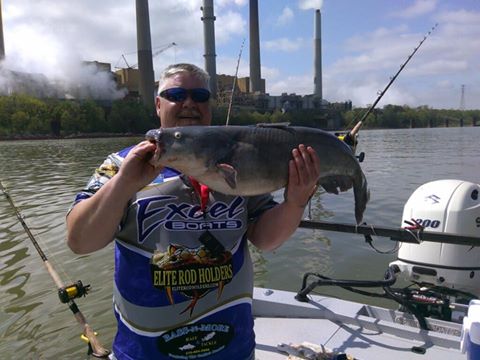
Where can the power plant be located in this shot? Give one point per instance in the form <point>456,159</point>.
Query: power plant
<point>317,55</point>
<point>2,45</point>
<point>144,49</point>
<point>254,48</point>
<point>249,91</point>
<point>209,40</point>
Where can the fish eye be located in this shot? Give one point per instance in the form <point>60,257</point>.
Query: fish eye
<point>177,135</point>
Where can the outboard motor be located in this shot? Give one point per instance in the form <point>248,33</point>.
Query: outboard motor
<point>449,206</point>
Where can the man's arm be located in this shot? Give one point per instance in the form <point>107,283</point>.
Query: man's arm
<point>277,224</point>
<point>92,223</point>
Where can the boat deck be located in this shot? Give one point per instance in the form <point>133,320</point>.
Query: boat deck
<point>362,331</point>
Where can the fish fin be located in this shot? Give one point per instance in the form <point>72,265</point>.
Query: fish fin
<point>335,184</point>
<point>229,174</point>
<point>362,196</point>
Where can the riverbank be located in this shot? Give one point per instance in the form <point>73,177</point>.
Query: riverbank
<point>70,136</point>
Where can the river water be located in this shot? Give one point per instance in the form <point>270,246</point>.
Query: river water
<point>43,176</point>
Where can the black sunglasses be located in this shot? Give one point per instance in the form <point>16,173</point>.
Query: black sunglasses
<point>179,94</point>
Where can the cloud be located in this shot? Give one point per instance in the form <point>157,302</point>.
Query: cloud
<point>285,17</point>
<point>310,4</point>
<point>225,3</point>
<point>298,84</point>
<point>283,44</point>
<point>419,7</point>
<point>228,25</point>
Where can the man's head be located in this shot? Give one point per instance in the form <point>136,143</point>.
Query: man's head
<point>183,96</point>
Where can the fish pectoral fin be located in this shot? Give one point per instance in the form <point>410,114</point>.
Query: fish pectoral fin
<point>334,184</point>
<point>229,174</point>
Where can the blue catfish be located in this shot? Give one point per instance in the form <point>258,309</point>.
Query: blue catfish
<point>252,160</point>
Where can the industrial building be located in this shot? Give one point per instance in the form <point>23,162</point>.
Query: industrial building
<point>248,92</point>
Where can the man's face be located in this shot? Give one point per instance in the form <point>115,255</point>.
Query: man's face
<point>183,113</point>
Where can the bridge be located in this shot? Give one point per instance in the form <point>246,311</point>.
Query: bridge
<point>446,121</point>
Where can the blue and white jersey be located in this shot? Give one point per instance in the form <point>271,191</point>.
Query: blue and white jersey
<point>183,279</point>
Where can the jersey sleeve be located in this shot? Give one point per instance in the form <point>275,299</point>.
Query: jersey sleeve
<point>100,177</point>
<point>257,205</point>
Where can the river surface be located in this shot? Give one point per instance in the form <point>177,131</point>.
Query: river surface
<point>43,177</point>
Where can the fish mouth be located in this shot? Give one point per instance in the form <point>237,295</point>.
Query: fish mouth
<point>155,137</point>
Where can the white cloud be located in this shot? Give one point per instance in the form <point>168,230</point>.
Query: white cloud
<point>286,16</point>
<point>310,4</point>
<point>419,7</point>
<point>225,3</point>
<point>227,25</point>
<point>283,44</point>
<point>298,84</point>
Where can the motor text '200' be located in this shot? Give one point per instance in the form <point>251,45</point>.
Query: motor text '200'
<point>427,223</point>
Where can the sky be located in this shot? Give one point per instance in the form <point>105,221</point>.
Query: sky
<point>364,43</point>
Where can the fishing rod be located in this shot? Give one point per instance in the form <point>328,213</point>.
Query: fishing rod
<point>413,234</point>
<point>392,79</point>
<point>234,83</point>
<point>67,294</point>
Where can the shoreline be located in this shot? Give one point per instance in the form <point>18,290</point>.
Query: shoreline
<point>123,135</point>
<point>67,137</point>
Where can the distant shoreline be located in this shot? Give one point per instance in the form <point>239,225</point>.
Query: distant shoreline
<point>67,137</point>
<point>125,135</point>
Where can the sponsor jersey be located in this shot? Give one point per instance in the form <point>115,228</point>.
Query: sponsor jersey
<point>183,278</point>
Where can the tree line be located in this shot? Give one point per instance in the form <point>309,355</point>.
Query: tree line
<point>26,116</point>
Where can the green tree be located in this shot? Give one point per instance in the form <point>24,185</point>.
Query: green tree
<point>130,116</point>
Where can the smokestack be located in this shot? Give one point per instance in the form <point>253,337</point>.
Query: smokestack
<point>2,46</point>
<point>255,77</point>
<point>317,59</point>
<point>208,19</point>
<point>144,49</point>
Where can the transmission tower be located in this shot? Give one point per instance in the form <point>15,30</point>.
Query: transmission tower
<point>462,98</point>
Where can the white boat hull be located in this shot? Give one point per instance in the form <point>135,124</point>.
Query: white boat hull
<point>362,331</point>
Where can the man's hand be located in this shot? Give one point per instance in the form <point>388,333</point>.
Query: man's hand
<point>303,174</point>
<point>92,223</point>
<point>136,170</point>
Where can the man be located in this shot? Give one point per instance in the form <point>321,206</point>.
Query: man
<point>183,273</point>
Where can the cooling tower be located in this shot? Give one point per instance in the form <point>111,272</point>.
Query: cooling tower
<point>317,57</point>
<point>208,19</point>
<point>255,76</point>
<point>2,45</point>
<point>144,49</point>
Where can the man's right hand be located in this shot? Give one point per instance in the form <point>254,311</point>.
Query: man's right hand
<point>92,223</point>
<point>136,170</point>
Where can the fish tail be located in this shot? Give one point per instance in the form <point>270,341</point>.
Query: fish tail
<point>362,195</point>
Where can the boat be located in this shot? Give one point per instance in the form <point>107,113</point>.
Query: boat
<point>439,312</point>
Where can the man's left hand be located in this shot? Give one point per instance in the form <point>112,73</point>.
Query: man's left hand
<point>303,175</point>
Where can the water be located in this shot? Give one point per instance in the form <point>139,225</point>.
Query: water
<point>43,176</point>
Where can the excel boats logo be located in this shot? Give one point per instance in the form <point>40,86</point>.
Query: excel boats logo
<point>164,211</point>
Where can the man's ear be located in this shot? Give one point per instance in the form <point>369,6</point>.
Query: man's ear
<point>157,105</point>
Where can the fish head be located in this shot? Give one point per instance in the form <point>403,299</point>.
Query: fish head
<point>193,150</point>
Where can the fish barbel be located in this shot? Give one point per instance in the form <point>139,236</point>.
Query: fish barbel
<point>253,160</point>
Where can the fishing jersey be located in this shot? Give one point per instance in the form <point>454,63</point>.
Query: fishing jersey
<point>183,280</point>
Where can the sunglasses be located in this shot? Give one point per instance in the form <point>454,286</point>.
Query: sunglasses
<point>179,94</point>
